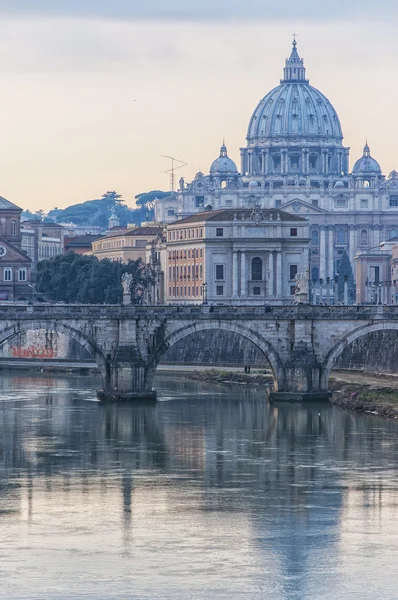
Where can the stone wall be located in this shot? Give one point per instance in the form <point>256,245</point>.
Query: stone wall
<point>376,352</point>
<point>215,347</point>
<point>43,345</point>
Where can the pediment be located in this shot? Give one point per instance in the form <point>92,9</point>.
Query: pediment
<point>13,254</point>
<point>298,206</point>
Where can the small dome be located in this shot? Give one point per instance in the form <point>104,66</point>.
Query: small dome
<point>338,184</point>
<point>223,165</point>
<point>366,164</point>
<point>253,185</point>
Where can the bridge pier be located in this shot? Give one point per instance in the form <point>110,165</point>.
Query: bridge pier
<point>127,379</point>
<point>303,377</point>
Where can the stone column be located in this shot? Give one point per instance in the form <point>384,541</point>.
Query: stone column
<point>243,282</point>
<point>304,161</point>
<point>279,274</point>
<point>353,245</point>
<point>271,285</point>
<point>322,253</point>
<point>330,270</point>
<point>234,274</point>
<point>266,162</point>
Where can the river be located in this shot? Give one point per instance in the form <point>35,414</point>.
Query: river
<point>209,494</point>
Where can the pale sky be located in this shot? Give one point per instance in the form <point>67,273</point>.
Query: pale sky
<point>94,92</point>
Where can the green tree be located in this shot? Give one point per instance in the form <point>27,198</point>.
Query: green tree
<point>346,273</point>
<point>87,280</point>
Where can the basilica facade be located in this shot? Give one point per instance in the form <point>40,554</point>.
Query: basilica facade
<point>295,160</point>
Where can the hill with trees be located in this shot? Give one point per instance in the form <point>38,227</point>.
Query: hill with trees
<point>97,212</point>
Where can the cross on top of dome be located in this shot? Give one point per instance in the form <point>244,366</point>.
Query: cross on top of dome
<point>294,70</point>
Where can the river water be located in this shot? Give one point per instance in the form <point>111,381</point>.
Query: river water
<point>209,494</point>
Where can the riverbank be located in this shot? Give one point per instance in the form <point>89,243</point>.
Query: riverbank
<point>367,393</point>
<point>228,377</point>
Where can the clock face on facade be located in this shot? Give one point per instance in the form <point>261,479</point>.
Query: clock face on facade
<point>3,251</point>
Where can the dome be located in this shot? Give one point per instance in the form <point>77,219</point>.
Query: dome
<point>253,185</point>
<point>223,165</point>
<point>338,184</point>
<point>366,164</point>
<point>294,108</point>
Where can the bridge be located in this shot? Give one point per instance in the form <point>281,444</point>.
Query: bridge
<point>301,343</point>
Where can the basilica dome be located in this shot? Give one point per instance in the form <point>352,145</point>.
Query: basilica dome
<point>366,164</point>
<point>294,109</point>
<point>223,165</point>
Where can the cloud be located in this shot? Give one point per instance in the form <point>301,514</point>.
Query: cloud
<point>203,9</point>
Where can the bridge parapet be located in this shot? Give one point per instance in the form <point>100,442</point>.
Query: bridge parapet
<point>269,313</point>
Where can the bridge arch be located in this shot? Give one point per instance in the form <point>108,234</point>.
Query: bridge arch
<point>14,329</point>
<point>335,352</point>
<point>261,343</point>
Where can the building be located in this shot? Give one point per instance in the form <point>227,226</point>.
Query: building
<point>48,240</point>
<point>236,256</point>
<point>81,244</point>
<point>295,160</point>
<point>374,278</point>
<point>126,244</point>
<point>15,264</point>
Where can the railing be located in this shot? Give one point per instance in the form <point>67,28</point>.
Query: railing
<point>269,312</point>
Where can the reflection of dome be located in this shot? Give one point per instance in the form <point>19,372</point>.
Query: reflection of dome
<point>223,165</point>
<point>253,185</point>
<point>294,108</point>
<point>366,164</point>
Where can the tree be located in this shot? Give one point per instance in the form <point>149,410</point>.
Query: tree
<point>346,273</point>
<point>114,196</point>
<point>82,278</point>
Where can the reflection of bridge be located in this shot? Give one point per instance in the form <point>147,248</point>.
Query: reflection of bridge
<point>301,343</point>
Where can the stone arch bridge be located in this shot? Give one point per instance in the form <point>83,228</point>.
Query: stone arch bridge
<point>301,343</point>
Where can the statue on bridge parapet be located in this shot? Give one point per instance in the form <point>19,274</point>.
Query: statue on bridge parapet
<point>301,292</point>
<point>127,280</point>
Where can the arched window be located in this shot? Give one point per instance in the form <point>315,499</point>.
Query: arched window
<point>340,236</point>
<point>223,184</point>
<point>364,236</point>
<point>315,237</point>
<point>366,183</point>
<point>13,228</point>
<point>315,273</point>
<point>257,269</point>
<point>393,233</point>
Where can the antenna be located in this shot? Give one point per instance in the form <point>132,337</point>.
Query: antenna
<point>175,165</point>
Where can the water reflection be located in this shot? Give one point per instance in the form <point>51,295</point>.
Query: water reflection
<point>211,493</point>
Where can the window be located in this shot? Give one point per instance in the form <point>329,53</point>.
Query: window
<point>315,237</point>
<point>219,232</point>
<point>393,199</point>
<point>313,161</point>
<point>170,212</point>
<point>256,291</point>
<point>341,202</point>
<point>293,271</point>
<point>293,232</point>
<point>257,269</point>
<point>21,274</point>
<point>199,202</point>
<point>200,271</point>
<point>393,234</point>
<point>13,228</point>
<point>314,202</point>
<point>315,273</point>
<point>7,274</point>
<point>364,236</point>
<point>220,290</point>
<point>292,290</point>
<point>219,272</point>
<point>140,243</point>
<point>278,203</point>
<point>294,162</point>
<point>223,184</point>
<point>364,203</point>
<point>340,236</point>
